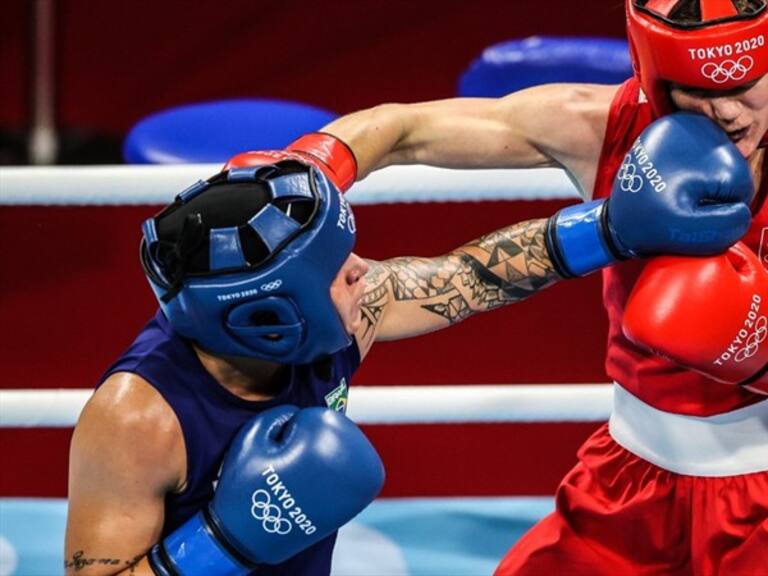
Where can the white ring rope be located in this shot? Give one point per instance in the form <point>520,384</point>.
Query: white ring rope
<point>60,408</point>
<point>138,185</point>
<point>115,185</point>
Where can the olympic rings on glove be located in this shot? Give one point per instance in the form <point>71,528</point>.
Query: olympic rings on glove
<point>629,180</point>
<point>754,340</point>
<point>270,515</point>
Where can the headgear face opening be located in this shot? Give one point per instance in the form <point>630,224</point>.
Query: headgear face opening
<point>724,50</point>
<point>277,308</point>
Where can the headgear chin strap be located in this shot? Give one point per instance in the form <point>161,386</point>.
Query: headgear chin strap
<point>723,51</point>
<point>280,308</point>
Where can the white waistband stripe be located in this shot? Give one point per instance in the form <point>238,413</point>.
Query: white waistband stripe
<point>722,445</point>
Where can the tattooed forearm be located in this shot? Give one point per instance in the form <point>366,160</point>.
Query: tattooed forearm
<point>80,561</point>
<point>374,301</point>
<point>428,283</point>
<point>508,265</point>
<point>503,267</point>
<point>372,307</point>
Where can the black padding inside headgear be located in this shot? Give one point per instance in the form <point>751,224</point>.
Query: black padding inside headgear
<point>689,11</point>
<point>686,11</point>
<point>184,230</point>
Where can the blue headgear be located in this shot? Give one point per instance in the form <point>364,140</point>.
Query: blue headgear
<point>278,308</point>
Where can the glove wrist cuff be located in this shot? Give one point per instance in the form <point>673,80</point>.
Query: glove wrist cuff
<point>195,548</point>
<point>334,154</point>
<point>577,240</point>
<point>611,237</point>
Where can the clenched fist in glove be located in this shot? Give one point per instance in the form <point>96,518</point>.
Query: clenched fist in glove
<point>332,156</point>
<point>684,188</point>
<point>709,314</point>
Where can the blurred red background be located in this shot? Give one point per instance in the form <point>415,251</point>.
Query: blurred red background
<point>119,61</point>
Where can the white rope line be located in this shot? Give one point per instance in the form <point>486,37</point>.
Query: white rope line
<point>124,185</point>
<point>60,408</point>
<point>480,403</point>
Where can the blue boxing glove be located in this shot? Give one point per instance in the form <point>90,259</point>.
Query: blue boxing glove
<point>684,188</point>
<point>290,478</point>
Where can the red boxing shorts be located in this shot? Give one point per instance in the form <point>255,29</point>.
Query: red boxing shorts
<point>619,514</point>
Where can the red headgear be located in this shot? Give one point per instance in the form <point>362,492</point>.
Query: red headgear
<point>722,51</point>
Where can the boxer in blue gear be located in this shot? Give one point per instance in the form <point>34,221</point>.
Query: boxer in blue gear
<point>225,414</point>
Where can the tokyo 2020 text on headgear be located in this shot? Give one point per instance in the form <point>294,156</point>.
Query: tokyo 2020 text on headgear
<point>240,283</point>
<point>725,49</point>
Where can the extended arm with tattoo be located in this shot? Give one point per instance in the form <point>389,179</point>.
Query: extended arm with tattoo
<point>410,296</point>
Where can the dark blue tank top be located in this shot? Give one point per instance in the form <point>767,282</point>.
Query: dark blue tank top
<point>210,416</point>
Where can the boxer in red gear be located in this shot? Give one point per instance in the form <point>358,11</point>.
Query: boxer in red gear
<point>677,482</point>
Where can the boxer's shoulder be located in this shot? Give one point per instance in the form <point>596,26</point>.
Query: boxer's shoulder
<point>132,400</point>
<point>128,418</point>
<point>567,123</point>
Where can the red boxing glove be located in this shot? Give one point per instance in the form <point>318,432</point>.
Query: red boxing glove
<point>260,158</point>
<point>327,152</point>
<point>335,158</point>
<point>708,314</point>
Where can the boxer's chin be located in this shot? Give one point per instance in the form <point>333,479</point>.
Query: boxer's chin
<point>747,148</point>
<point>748,142</point>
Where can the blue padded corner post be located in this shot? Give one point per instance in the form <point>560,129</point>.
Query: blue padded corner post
<point>511,66</point>
<point>216,131</point>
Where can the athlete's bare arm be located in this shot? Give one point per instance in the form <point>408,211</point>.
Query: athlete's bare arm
<point>410,296</point>
<point>550,125</point>
<point>127,452</point>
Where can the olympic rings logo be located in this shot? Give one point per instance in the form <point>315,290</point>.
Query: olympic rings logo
<point>629,180</point>
<point>754,340</point>
<point>270,515</point>
<point>270,286</point>
<point>728,70</point>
